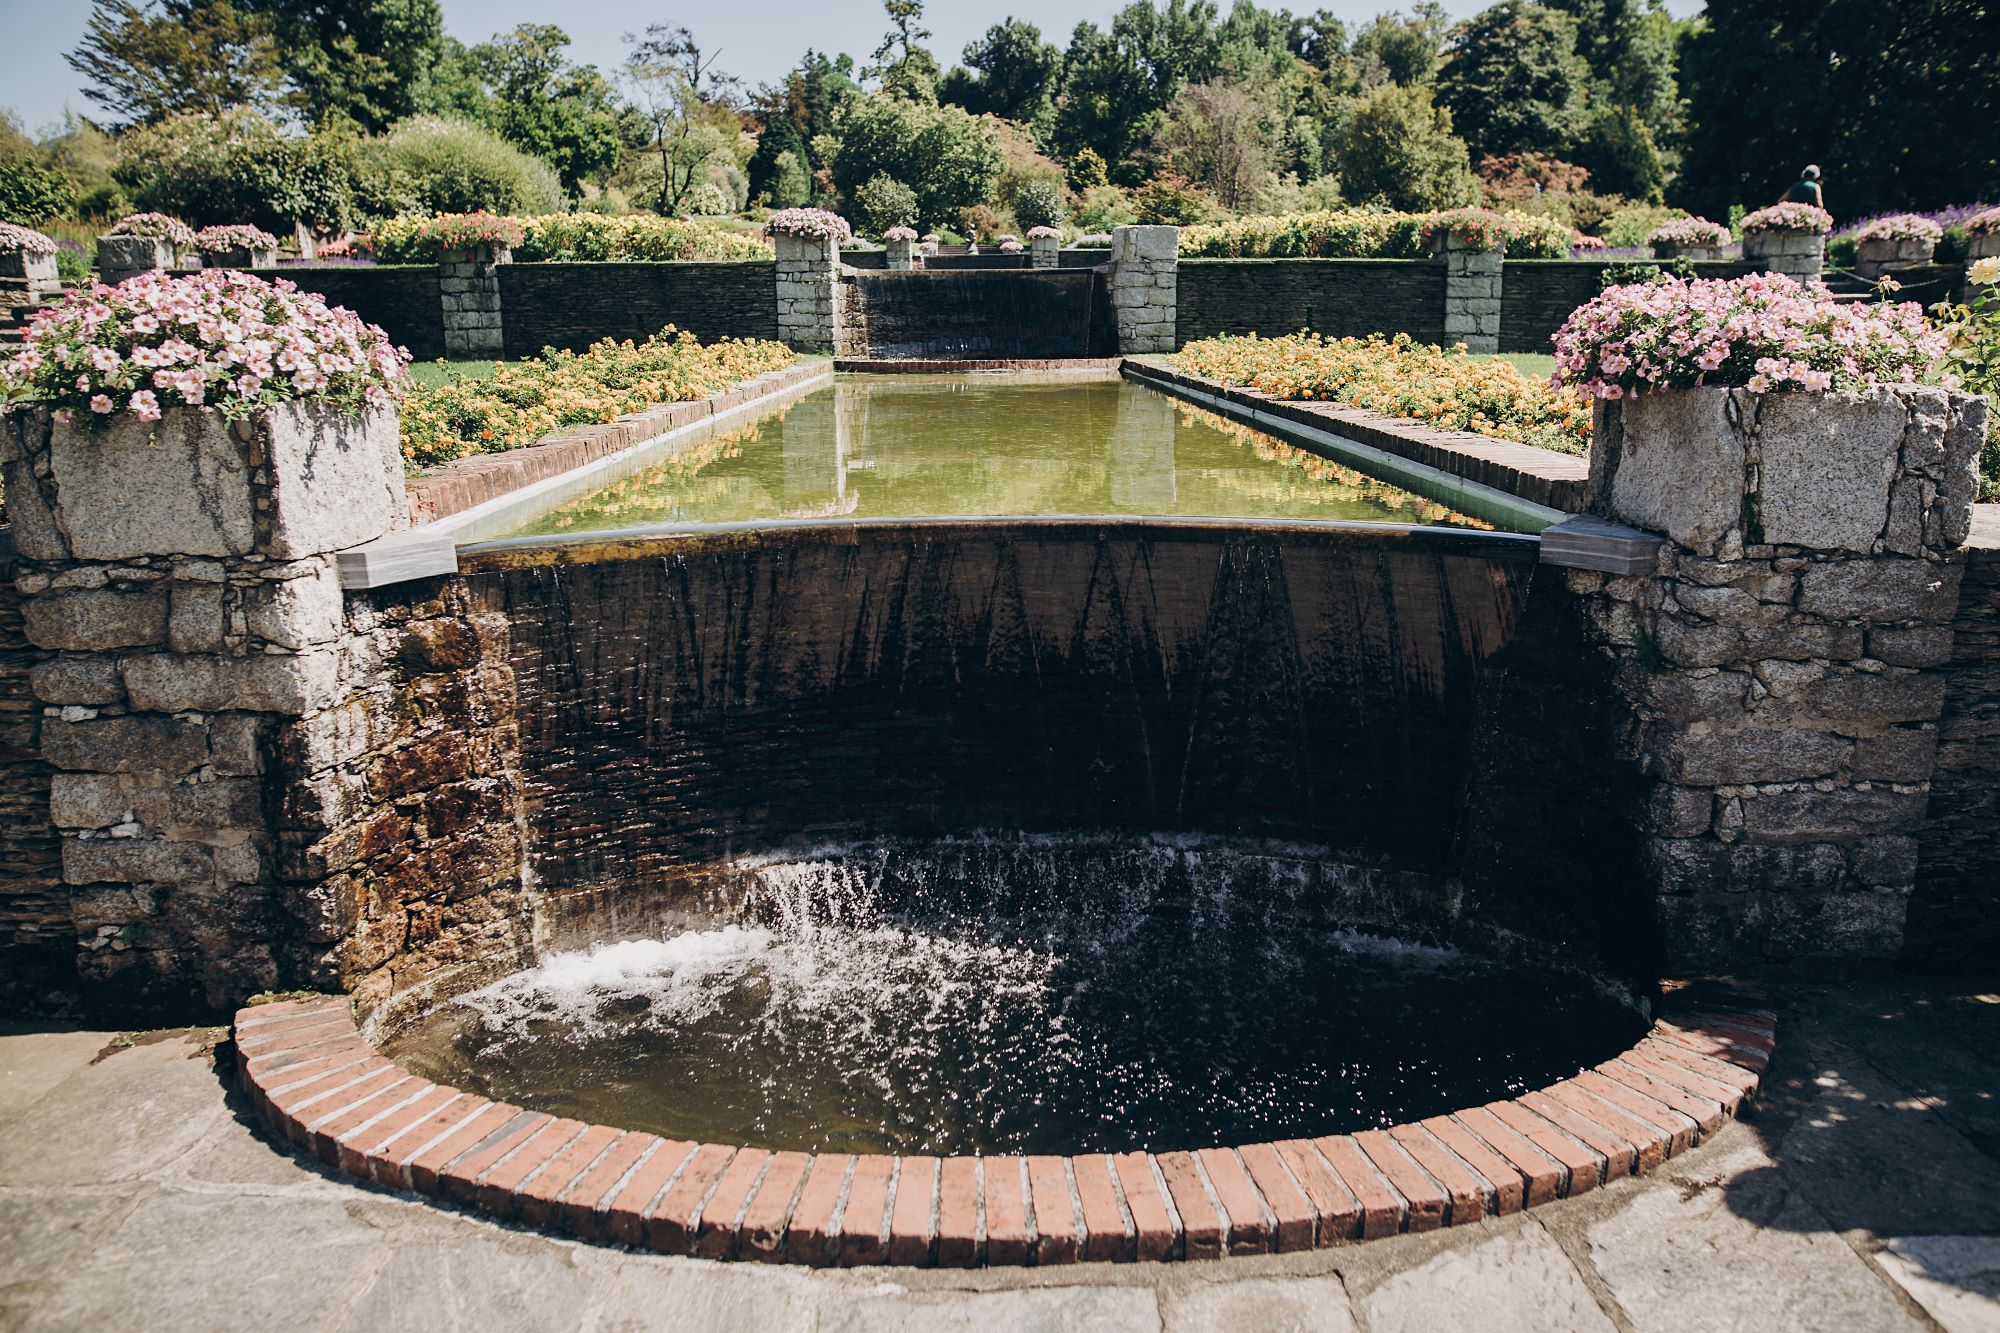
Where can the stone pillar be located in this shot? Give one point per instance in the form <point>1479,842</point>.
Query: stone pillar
<point>469,290</point>
<point>1796,254</point>
<point>902,253</point>
<point>122,257</point>
<point>808,291</point>
<point>1781,661</point>
<point>1046,251</point>
<point>1144,284</point>
<point>180,580</point>
<point>1471,294</point>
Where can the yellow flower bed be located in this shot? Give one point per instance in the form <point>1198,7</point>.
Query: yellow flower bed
<point>1400,378</point>
<point>523,401</point>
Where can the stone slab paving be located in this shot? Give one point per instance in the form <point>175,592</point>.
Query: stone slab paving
<point>137,1191</point>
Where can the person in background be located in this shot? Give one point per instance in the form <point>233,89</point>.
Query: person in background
<point>1806,190</point>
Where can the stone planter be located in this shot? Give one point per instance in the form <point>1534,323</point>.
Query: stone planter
<point>240,257</point>
<point>902,254</point>
<point>1798,254</point>
<point>1874,258</point>
<point>122,257</point>
<point>1986,246</point>
<point>39,270</point>
<point>1045,252</point>
<point>808,278</point>
<point>294,481</point>
<point>1722,471</point>
<point>1698,253</point>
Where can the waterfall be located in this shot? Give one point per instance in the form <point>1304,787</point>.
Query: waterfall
<point>971,313</point>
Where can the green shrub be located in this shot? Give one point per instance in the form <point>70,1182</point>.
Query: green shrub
<point>1104,207</point>
<point>586,237</point>
<point>1039,203</point>
<point>1627,228</point>
<point>241,168</point>
<point>433,164</point>
<point>884,202</point>
<point>31,192</point>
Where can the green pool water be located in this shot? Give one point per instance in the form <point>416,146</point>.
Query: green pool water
<point>910,446</point>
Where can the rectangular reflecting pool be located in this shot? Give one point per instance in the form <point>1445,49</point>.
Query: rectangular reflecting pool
<point>908,446</point>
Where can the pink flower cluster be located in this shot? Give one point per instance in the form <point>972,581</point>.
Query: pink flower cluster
<point>811,223</point>
<point>18,240</point>
<point>900,234</point>
<point>1763,332</point>
<point>218,338</point>
<point>1482,227</point>
<point>1582,244</point>
<point>241,236</point>
<point>1010,246</point>
<point>1045,233</point>
<point>1805,218</point>
<point>1901,227</point>
<point>1984,223</point>
<point>1690,234</point>
<point>155,227</point>
<point>465,231</point>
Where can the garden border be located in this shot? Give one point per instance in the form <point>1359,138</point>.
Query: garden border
<point>1541,477</point>
<point>322,1086</point>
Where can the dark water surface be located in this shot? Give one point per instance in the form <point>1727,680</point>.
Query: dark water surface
<point>1190,1003</point>
<point>916,446</point>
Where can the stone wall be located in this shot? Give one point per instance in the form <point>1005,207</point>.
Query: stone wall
<point>1782,664</point>
<point>402,298</point>
<point>573,305</point>
<point>1537,295</point>
<point>1954,921</point>
<point>1342,298</point>
<point>180,579</point>
<point>37,938</point>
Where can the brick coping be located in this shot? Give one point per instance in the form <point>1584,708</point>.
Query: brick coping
<point>1094,366</point>
<point>1540,476</point>
<point>466,483</point>
<point>325,1088</point>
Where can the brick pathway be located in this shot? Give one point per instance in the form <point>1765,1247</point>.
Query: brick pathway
<point>137,1190</point>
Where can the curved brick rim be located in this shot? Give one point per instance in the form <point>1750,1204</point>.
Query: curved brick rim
<point>324,1087</point>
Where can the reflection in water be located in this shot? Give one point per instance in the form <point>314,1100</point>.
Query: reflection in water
<point>903,446</point>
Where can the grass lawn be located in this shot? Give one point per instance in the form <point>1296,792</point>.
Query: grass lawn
<point>430,374</point>
<point>1538,364</point>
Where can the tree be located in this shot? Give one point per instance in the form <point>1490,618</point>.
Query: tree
<point>1398,50</point>
<point>1017,76</point>
<point>779,170</point>
<point>148,61</point>
<point>560,112</point>
<point>365,61</point>
<point>1513,80</point>
<point>905,66</point>
<point>240,167</point>
<point>882,203</point>
<point>1635,128</point>
<point>1400,151</point>
<point>947,157</point>
<point>1217,136</point>
<point>1898,103</point>
<point>684,128</point>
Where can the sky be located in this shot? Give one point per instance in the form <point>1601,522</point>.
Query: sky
<point>758,42</point>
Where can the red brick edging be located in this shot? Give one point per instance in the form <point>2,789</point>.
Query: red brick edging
<point>469,482</point>
<point>324,1087</point>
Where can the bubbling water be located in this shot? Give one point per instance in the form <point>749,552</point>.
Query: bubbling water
<point>997,996</point>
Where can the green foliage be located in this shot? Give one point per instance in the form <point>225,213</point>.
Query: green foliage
<point>1039,203</point>
<point>1172,199</point>
<point>1016,76</point>
<point>1103,207</point>
<point>1086,170</point>
<point>430,164</point>
<point>948,158</point>
<point>1395,50</point>
<point>147,61</point>
<point>1900,103</point>
<point>543,104</point>
<point>1401,153</point>
<point>1628,227</point>
<point>1639,271</point>
<point>239,167</point>
<point>883,202</point>
<point>31,192</point>
<point>1622,155</point>
<point>1514,82</point>
<point>366,62</point>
